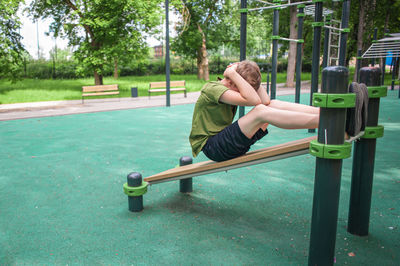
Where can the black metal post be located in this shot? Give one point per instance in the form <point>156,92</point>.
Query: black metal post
<point>268,82</point>
<point>243,37</point>
<point>344,33</point>
<point>327,37</point>
<point>135,202</point>
<point>375,36</point>
<point>300,16</point>
<point>185,185</point>
<point>363,163</point>
<point>394,70</point>
<point>328,172</point>
<point>274,70</point>
<point>358,65</point>
<point>167,63</point>
<point>315,52</point>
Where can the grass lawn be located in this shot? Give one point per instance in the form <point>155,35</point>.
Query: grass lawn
<point>34,90</point>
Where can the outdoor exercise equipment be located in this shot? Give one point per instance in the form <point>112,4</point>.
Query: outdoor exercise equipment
<point>382,48</point>
<point>364,156</point>
<point>329,148</point>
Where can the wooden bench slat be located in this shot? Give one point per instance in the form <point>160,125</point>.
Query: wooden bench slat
<point>99,88</point>
<point>171,89</point>
<point>163,84</point>
<point>100,93</point>
<point>280,149</point>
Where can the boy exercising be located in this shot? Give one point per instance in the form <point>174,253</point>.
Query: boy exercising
<point>212,129</point>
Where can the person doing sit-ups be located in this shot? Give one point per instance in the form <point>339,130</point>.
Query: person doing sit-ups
<point>212,129</point>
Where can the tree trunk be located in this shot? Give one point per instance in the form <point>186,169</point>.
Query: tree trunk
<point>202,60</point>
<point>98,79</point>
<point>292,48</point>
<point>116,68</point>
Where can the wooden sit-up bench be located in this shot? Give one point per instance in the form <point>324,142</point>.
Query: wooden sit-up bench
<point>135,188</point>
<point>162,86</point>
<point>99,90</point>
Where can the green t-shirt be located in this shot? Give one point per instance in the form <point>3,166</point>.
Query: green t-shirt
<point>210,116</point>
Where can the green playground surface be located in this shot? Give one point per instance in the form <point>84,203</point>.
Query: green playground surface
<point>62,202</point>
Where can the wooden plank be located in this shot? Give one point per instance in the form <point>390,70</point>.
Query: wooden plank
<point>285,148</point>
<point>100,93</point>
<point>163,84</point>
<point>171,89</point>
<point>99,88</point>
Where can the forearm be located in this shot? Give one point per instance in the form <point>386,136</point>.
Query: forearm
<point>245,89</point>
<point>264,97</point>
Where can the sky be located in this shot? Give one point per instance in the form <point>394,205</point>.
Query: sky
<point>34,33</point>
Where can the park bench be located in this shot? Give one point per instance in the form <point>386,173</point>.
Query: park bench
<point>99,90</point>
<point>162,86</point>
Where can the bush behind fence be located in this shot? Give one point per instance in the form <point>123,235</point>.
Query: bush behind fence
<point>42,69</point>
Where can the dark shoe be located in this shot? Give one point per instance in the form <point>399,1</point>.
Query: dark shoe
<point>357,116</point>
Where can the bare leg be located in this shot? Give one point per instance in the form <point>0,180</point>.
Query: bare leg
<point>262,114</point>
<point>294,107</point>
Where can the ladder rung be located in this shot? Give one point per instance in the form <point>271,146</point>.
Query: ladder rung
<point>336,46</point>
<point>335,58</point>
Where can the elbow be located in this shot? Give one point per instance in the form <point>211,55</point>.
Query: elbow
<point>255,102</point>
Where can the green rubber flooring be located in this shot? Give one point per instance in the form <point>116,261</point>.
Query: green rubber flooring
<point>61,199</point>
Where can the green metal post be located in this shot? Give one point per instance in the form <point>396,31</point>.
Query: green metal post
<point>274,70</point>
<point>315,52</point>
<point>363,163</point>
<point>300,16</point>
<point>328,172</point>
<point>243,36</point>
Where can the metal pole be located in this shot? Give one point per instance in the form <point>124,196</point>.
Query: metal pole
<point>316,51</point>
<point>375,37</point>
<point>394,70</point>
<point>275,32</point>
<point>300,16</point>
<point>185,185</point>
<point>135,203</point>
<point>344,34</point>
<point>363,163</point>
<point>243,36</point>
<point>167,63</point>
<point>327,38</point>
<point>328,172</point>
<point>358,64</point>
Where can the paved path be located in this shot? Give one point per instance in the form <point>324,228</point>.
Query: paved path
<point>55,108</point>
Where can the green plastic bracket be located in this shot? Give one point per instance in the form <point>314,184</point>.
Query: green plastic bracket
<point>336,100</point>
<point>330,151</point>
<point>359,57</point>
<point>377,91</point>
<point>300,41</point>
<point>301,6</point>
<point>301,15</point>
<point>373,132</point>
<point>243,10</point>
<point>318,1</point>
<point>318,24</point>
<point>275,37</point>
<point>136,191</point>
<point>347,30</point>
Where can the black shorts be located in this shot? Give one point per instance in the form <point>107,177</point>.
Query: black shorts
<point>230,143</point>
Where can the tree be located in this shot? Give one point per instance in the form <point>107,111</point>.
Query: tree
<point>292,48</point>
<point>204,26</point>
<point>11,49</point>
<point>103,31</point>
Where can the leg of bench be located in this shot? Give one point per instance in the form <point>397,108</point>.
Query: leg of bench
<point>184,93</point>
<point>185,185</point>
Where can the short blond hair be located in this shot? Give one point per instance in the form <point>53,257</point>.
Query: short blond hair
<point>250,71</point>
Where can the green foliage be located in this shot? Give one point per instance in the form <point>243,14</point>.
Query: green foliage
<point>11,50</point>
<point>113,29</point>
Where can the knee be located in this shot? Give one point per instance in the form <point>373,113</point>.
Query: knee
<point>261,110</point>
